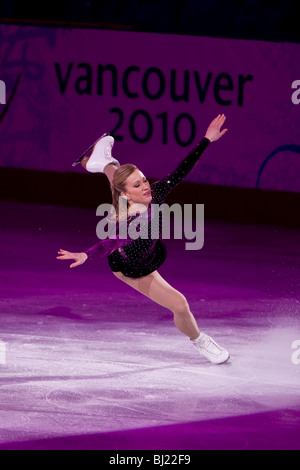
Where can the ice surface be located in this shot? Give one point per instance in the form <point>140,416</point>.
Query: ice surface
<point>89,363</point>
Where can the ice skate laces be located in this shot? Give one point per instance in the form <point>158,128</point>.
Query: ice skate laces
<point>207,344</point>
<point>107,150</point>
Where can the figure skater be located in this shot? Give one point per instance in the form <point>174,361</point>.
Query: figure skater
<point>135,261</point>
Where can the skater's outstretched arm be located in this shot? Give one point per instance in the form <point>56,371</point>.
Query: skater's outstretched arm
<point>214,132</point>
<point>79,258</point>
<point>103,247</point>
<point>162,187</point>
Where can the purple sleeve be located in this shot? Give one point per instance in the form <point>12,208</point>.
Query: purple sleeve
<point>107,246</point>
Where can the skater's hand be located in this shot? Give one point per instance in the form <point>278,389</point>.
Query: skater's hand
<point>79,258</point>
<point>214,132</point>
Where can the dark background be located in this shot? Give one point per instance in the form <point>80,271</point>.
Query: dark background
<point>269,20</point>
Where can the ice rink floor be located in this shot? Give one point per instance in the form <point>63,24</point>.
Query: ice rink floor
<point>88,363</point>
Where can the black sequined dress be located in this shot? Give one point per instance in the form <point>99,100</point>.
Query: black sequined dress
<point>137,257</point>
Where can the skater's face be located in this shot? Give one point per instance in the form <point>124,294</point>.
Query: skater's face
<point>137,189</point>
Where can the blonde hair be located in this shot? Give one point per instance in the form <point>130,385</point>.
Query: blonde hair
<point>118,185</point>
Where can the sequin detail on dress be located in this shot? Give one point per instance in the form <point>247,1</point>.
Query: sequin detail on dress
<point>140,257</point>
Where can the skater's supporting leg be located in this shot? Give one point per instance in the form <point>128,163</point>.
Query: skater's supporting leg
<point>158,290</point>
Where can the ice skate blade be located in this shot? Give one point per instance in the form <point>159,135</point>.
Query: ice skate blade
<point>79,160</point>
<point>224,362</point>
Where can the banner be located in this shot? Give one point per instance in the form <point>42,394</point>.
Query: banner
<point>63,88</point>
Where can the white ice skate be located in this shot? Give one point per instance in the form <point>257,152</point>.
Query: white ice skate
<point>209,349</point>
<point>100,156</point>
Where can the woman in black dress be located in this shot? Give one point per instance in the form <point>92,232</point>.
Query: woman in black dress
<point>135,261</point>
